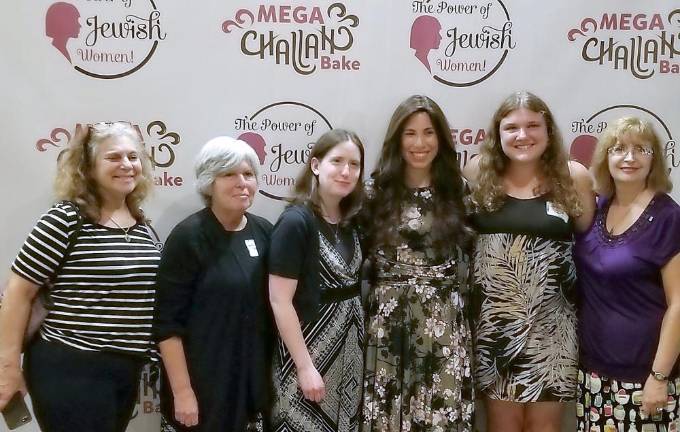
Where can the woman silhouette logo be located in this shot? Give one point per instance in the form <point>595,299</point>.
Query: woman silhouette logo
<point>257,143</point>
<point>425,37</point>
<point>61,24</point>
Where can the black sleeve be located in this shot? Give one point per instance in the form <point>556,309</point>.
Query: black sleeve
<point>45,247</point>
<point>289,243</point>
<point>176,281</point>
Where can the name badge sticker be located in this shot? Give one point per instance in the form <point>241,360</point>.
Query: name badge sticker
<point>252,249</point>
<point>551,210</point>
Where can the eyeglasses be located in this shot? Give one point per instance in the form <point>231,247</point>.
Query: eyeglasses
<point>636,150</point>
<point>100,126</point>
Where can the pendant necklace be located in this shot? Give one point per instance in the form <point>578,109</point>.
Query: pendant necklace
<point>126,236</point>
<point>335,230</point>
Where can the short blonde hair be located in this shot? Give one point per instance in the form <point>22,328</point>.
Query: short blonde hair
<point>75,166</point>
<point>658,179</point>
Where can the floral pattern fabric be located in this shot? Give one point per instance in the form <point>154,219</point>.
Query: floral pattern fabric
<point>418,368</point>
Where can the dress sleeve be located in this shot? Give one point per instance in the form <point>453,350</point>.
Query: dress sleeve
<point>46,245</point>
<point>176,282</point>
<point>289,242</point>
<point>667,237</point>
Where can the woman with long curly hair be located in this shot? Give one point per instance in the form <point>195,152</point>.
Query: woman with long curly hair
<point>528,200</point>
<point>83,370</point>
<point>418,370</point>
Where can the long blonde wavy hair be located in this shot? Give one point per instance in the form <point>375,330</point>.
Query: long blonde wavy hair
<point>489,193</point>
<point>76,163</point>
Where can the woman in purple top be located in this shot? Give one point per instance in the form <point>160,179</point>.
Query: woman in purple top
<point>628,266</point>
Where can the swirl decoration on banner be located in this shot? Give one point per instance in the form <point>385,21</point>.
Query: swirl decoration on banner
<point>672,14</point>
<point>342,13</point>
<point>55,140</point>
<point>239,20</point>
<point>345,29</point>
<point>583,30</point>
<point>160,130</point>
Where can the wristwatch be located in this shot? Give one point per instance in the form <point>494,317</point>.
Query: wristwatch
<point>658,376</point>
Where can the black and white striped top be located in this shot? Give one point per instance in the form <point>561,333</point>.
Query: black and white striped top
<point>103,297</point>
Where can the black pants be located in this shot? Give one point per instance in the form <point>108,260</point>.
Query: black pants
<point>81,391</point>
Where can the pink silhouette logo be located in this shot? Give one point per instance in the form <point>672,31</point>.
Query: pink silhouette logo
<point>61,24</point>
<point>257,143</point>
<point>582,149</point>
<point>425,37</point>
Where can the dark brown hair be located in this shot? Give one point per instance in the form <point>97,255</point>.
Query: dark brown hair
<point>306,189</point>
<point>390,191</point>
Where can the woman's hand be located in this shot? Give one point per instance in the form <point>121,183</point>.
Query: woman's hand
<point>14,314</point>
<point>11,381</point>
<point>311,384</point>
<point>186,408</point>
<point>654,396</point>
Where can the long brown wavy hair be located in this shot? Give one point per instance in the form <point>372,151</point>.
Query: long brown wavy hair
<point>76,163</point>
<point>489,193</point>
<point>306,189</point>
<point>381,215</point>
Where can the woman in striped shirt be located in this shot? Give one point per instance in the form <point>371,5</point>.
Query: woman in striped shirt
<point>82,371</point>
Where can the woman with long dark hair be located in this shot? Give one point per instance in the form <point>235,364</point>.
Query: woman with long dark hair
<point>418,371</point>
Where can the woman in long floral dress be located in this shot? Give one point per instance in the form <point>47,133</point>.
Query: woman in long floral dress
<point>418,368</point>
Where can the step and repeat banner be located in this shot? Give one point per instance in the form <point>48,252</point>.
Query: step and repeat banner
<point>279,74</point>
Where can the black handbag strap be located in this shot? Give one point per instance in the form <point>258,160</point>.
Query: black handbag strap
<point>71,242</point>
<point>153,235</point>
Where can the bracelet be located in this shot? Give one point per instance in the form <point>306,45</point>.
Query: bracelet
<point>658,376</point>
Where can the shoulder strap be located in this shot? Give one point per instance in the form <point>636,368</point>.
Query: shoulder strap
<point>70,244</point>
<point>153,235</point>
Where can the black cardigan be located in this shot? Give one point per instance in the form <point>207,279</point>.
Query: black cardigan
<point>213,299</point>
<point>297,227</point>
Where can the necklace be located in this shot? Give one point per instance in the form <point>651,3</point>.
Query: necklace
<point>335,230</point>
<point>627,212</point>
<point>126,236</point>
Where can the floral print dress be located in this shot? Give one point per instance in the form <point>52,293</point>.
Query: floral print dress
<point>418,368</point>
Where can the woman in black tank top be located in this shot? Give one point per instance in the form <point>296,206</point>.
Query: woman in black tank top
<point>527,200</point>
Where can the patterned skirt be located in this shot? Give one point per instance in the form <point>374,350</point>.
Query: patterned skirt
<point>335,343</point>
<point>607,405</point>
<point>418,373</point>
<point>526,342</point>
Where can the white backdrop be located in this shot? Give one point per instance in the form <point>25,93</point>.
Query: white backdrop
<point>280,74</point>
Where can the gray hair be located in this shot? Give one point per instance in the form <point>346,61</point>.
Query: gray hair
<point>219,156</point>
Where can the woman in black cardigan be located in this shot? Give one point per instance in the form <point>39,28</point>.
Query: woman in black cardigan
<point>212,318</point>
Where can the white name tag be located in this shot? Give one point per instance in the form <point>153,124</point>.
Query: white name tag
<point>551,210</point>
<point>252,249</point>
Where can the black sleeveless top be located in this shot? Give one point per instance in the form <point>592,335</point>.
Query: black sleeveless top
<point>533,216</point>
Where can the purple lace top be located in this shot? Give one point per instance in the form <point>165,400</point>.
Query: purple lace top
<point>621,296</point>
